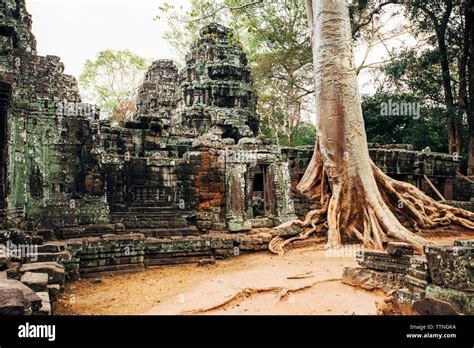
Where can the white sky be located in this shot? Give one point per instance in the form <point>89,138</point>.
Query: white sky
<point>76,30</point>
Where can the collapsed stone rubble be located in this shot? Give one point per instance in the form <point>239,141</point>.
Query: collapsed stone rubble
<point>441,282</point>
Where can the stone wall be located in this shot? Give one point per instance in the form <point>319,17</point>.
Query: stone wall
<point>50,171</point>
<point>401,162</point>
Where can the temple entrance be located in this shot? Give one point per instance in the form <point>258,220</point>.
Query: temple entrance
<point>261,193</point>
<point>5,93</point>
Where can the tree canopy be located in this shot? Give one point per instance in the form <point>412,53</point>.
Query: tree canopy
<point>112,81</point>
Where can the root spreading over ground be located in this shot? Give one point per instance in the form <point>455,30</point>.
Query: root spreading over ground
<point>371,217</point>
<point>281,294</point>
<point>358,201</point>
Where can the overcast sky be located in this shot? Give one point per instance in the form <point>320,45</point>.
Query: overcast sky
<point>76,30</point>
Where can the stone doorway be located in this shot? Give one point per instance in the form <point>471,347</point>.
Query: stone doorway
<point>5,93</point>
<point>261,193</point>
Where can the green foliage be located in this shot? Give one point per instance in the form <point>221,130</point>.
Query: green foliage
<point>112,81</point>
<point>304,135</point>
<point>416,71</point>
<point>184,25</point>
<point>281,56</point>
<point>429,130</point>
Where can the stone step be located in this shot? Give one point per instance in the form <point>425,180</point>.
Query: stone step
<point>174,260</point>
<point>93,272</point>
<point>52,247</point>
<point>416,281</point>
<point>150,215</point>
<point>94,254</point>
<point>167,232</point>
<point>37,282</point>
<point>201,254</point>
<point>55,271</point>
<point>156,207</point>
<point>12,302</point>
<point>45,303</point>
<point>155,224</point>
<point>421,275</point>
<point>28,294</point>
<point>111,261</point>
<point>87,230</point>
<point>62,256</point>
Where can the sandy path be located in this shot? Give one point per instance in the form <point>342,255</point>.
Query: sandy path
<point>176,290</point>
<point>185,288</point>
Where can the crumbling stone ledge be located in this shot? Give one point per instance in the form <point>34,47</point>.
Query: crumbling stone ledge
<point>116,254</point>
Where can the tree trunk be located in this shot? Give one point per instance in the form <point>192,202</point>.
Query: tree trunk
<point>454,134</point>
<point>357,198</point>
<point>469,42</point>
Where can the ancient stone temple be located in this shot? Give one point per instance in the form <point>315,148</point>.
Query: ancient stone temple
<point>189,178</point>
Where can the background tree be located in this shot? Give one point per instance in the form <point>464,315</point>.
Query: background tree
<point>441,22</point>
<point>425,130</point>
<point>469,49</point>
<point>112,81</point>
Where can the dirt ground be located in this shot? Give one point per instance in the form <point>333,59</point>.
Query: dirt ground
<point>189,289</point>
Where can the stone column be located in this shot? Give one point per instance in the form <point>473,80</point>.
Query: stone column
<point>284,205</point>
<point>235,198</point>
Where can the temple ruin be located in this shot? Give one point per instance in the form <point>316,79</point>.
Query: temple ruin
<point>189,178</point>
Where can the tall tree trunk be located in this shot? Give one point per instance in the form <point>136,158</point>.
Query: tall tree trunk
<point>454,134</point>
<point>440,26</point>
<point>463,93</point>
<point>469,42</point>
<point>357,198</point>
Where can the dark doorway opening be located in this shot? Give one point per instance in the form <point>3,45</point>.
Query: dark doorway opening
<point>5,93</point>
<point>261,193</point>
<point>230,132</point>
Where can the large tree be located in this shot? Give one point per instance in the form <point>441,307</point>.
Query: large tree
<point>358,200</point>
<point>469,50</point>
<point>112,81</point>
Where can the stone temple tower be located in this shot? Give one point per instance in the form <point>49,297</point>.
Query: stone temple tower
<point>215,94</point>
<point>157,96</point>
<point>15,27</point>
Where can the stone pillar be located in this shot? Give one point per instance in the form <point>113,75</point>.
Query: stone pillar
<point>235,198</point>
<point>284,205</point>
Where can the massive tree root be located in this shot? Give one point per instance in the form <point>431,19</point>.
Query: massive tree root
<point>364,212</point>
<point>281,293</point>
<point>358,200</point>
